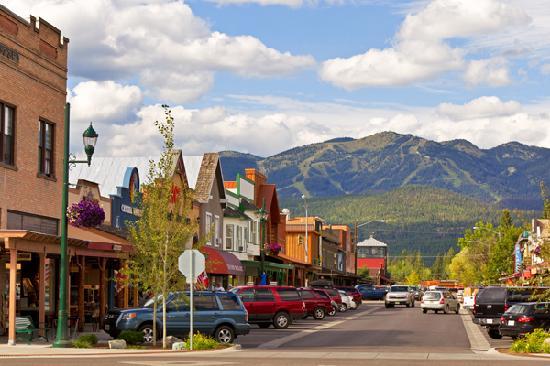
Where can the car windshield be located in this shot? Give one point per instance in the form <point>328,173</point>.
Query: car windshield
<point>432,296</point>
<point>399,289</point>
<point>518,309</point>
<point>489,295</point>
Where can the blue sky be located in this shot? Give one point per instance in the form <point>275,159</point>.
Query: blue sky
<point>261,76</point>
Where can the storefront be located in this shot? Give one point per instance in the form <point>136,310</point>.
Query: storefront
<point>223,268</point>
<point>277,273</point>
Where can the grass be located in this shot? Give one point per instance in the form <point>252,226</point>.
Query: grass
<point>85,341</point>
<point>201,343</point>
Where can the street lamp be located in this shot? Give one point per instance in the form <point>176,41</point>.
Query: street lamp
<point>262,213</point>
<point>307,242</point>
<point>357,226</point>
<point>89,138</point>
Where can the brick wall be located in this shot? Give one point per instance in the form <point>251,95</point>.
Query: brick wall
<point>35,82</point>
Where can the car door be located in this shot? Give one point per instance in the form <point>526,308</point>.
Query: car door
<point>177,315</point>
<point>264,303</point>
<point>206,311</point>
<point>247,297</point>
<point>309,300</point>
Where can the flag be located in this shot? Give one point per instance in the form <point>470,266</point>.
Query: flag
<point>202,281</point>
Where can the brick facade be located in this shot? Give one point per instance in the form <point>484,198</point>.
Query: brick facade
<point>33,79</point>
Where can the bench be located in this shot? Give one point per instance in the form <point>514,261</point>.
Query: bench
<point>24,325</point>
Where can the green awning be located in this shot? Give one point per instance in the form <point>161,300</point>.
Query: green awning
<point>268,265</point>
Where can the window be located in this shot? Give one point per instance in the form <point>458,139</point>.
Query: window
<point>240,239</point>
<point>246,235</point>
<point>45,147</point>
<point>7,134</point>
<point>247,295</point>
<point>229,236</point>
<point>216,230</point>
<point>229,302</point>
<point>289,294</point>
<point>205,303</point>
<point>307,294</point>
<point>208,227</point>
<point>25,221</point>
<point>254,232</point>
<point>264,294</point>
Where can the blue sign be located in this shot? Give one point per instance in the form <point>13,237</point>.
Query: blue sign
<point>518,258</point>
<point>124,206</point>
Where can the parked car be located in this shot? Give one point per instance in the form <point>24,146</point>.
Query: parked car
<point>317,305</point>
<point>439,301</point>
<point>491,302</point>
<point>220,314</point>
<point>353,292</point>
<point>417,292</point>
<point>266,305</point>
<point>399,295</point>
<point>335,295</point>
<point>347,301</point>
<point>460,296</point>
<point>523,318</point>
<point>322,292</point>
<point>372,292</point>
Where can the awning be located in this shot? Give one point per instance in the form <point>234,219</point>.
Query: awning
<point>219,262</point>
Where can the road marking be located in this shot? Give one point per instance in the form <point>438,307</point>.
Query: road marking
<point>276,343</point>
<point>178,363</point>
<point>477,341</point>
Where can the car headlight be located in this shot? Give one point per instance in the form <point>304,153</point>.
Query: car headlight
<point>128,316</point>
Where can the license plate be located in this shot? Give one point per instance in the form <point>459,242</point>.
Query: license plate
<point>489,321</point>
<point>107,327</point>
<point>511,322</point>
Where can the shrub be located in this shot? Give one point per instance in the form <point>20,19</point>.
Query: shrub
<point>85,341</point>
<point>532,343</point>
<point>202,342</point>
<point>132,337</point>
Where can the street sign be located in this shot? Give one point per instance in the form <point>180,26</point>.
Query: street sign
<point>191,264</point>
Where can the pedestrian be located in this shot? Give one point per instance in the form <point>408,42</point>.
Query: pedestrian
<point>219,287</point>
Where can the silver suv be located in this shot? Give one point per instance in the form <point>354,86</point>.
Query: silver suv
<point>399,295</point>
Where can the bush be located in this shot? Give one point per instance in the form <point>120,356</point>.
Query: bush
<point>532,343</point>
<point>85,341</point>
<point>132,337</point>
<point>202,342</point>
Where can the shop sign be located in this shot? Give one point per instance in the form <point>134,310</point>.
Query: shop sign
<point>9,53</point>
<point>518,258</point>
<point>130,210</point>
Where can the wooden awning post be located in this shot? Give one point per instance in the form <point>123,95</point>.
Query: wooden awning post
<point>13,297</point>
<point>102,295</point>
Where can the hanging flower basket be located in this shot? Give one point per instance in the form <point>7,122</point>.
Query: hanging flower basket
<point>273,248</point>
<point>86,213</point>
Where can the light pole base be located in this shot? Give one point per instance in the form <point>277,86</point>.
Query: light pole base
<point>62,343</point>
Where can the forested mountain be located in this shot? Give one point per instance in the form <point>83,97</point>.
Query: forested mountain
<point>508,174</point>
<point>416,218</point>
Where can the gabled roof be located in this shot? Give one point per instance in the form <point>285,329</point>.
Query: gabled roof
<point>268,192</point>
<point>371,242</point>
<point>210,173</point>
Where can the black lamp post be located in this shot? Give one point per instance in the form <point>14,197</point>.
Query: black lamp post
<point>262,213</point>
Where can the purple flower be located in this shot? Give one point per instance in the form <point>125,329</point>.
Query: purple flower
<point>273,248</point>
<point>86,213</point>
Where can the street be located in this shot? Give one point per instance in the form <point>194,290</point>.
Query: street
<point>372,335</point>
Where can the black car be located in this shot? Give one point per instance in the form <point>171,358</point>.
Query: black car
<point>491,302</point>
<point>523,318</point>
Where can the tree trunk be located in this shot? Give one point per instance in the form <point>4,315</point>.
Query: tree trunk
<point>164,321</point>
<point>164,285</point>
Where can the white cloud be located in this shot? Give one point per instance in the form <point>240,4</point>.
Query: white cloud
<point>493,72</point>
<point>116,40</point>
<point>482,107</point>
<point>545,69</point>
<point>419,50</point>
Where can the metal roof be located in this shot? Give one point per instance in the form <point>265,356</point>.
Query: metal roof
<point>371,242</point>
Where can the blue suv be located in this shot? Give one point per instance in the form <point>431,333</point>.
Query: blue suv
<point>219,314</point>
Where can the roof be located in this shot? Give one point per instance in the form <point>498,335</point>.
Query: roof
<point>371,242</point>
<point>192,167</point>
<point>207,177</point>
<point>302,220</point>
<point>268,192</point>
<point>109,172</point>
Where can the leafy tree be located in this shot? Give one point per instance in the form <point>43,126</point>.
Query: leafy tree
<point>364,274</point>
<point>161,233</point>
<point>545,201</point>
<point>408,268</point>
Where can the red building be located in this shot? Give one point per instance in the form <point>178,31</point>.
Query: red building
<point>373,254</point>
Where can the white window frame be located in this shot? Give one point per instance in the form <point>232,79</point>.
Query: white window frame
<point>208,227</point>
<point>216,230</point>
<point>229,239</point>
<point>254,232</point>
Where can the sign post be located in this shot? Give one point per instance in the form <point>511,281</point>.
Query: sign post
<point>191,263</point>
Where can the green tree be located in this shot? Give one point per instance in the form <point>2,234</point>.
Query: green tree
<point>161,233</point>
<point>364,274</point>
<point>545,201</point>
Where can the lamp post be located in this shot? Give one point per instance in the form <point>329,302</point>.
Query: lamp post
<point>262,213</point>
<point>89,138</point>
<point>356,232</point>
<point>306,246</point>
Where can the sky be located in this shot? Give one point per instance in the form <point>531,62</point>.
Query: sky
<point>263,76</point>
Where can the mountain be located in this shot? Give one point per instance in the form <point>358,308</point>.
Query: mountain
<point>509,174</point>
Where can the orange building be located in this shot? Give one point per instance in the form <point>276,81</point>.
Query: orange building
<point>304,254</point>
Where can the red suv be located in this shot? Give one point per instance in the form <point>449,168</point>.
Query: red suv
<point>266,305</point>
<point>336,301</point>
<point>317,305</point>
<point>353,292</point>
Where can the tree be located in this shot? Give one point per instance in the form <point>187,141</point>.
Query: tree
<point>364,274</point>
<point>545,201</point>
<point>161,233</point>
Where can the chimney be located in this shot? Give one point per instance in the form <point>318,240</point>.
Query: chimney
<point>286,213</point>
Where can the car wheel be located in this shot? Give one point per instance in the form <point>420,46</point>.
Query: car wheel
<point>494,333</point>
<point>264,325</point>
<point>281,320</point>
<point>412,304</point>
<point>408,305</point>
<point>224,334</point>
<point>147,330</point>
<point>342,308</point>
<point>457,308</point>
<point>332,311</point>
<point>319,313</point>
<point>424,311</point>
<point>446,310</point>
<point>387,305</point>
<point>436,311</point>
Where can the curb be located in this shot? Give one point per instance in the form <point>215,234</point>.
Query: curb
<point>233,348</point>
